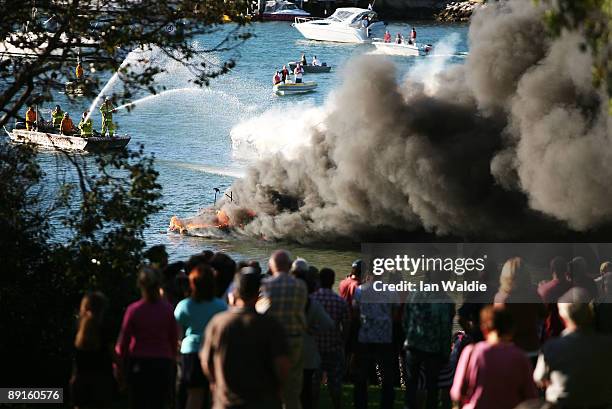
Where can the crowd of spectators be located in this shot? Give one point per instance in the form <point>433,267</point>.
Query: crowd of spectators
<point>214,333</point>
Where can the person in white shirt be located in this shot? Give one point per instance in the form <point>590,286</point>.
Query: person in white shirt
<point>315,62</point>
<point>298,73</point>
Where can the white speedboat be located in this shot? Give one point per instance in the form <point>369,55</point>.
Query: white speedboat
<point>289,88</point>
<point>282,10</point>
<point>403,49</point>
<point>346,25</point>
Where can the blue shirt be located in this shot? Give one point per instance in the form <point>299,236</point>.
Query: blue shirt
<point>193,317</point>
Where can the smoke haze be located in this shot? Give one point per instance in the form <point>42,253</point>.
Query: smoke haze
<point>514,142</point>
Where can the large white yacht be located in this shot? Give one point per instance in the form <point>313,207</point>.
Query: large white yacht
<point>282,10</point>
<point>346,25</point>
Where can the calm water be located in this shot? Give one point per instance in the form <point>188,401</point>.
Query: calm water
<point>189,129</point>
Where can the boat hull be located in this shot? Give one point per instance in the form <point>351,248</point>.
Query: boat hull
<point>312,69</point>
<point>293,88</point>
<point>406,50</point>
<point>321,30</point>
<point>65,142</point>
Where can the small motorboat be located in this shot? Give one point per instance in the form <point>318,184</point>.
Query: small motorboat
<point>48,137</point>
<point>311,69</point>
<point>403,49</point>
<point>289,88</point>
<point>79,87</point>
<point>282,10</point>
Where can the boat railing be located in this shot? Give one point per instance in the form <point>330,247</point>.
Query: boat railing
<point>299,20</point>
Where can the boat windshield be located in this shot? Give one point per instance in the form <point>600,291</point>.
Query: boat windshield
<point>370,14</point>
<point>341,15</point>
<point>289,6</point>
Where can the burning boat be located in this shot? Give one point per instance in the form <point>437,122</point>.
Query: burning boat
<point>209,222</point>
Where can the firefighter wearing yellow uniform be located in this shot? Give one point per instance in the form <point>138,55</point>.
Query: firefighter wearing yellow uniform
<point>56,116</point>
<point>79,71</point>
<point>86,126</point>
<point>67,126</point>
<point>107,110</point>
<point>30,118</point>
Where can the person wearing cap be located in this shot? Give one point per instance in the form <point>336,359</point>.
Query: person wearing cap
<point>56,116</point>
<point>147,345</point>
<point>348,286</point>
<point>85,126</point>
<point>284,298</point>
<point>245,355</point>
<point>107,110</point>
<point>66,126</point>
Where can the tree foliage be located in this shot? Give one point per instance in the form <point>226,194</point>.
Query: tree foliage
<point>43,279</point>
<point>594,19</point>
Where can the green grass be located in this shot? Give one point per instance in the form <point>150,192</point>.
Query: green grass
<point>347,397</point>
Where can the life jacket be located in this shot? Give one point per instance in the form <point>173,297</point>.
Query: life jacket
<point>79,71</point>
<point>277,79</point>
<point>86,127</point>
<point>67,125</point>
<point>107,111</point>
<point>57,115</point>
<point>30,115</point>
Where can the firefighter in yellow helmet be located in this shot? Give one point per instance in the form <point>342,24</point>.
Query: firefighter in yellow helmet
<point>107,110</point>
<point>86,126</point>
<point>56,116</point>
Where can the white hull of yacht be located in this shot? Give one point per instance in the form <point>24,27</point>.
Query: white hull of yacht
<point>321,30</point>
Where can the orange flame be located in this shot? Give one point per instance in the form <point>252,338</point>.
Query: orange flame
<point>219,220</point>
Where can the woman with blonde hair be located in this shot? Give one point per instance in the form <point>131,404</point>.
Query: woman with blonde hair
<point>92,383</point>
<point>518,295</point>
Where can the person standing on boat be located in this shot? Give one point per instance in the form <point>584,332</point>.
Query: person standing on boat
<point>79,71</point>
<point>413,36</point>
<point>107,110</point>
<point>86,126</point>
<point>398,38</point>
<point>67,126</point>
<point>365,22</point>
<point>303,59</point>
<point>298,73</point>
<point>387,37</point>
<point>284,74</point>
<point>315,62</point>
<point>56,116</point>
<point>276,79</point>
<point>30,118</point>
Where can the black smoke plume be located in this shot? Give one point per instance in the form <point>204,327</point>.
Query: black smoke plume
<point>515,143</point>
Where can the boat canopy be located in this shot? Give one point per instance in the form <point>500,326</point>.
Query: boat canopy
<point>351,15</point>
